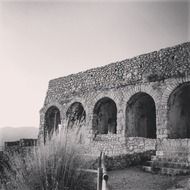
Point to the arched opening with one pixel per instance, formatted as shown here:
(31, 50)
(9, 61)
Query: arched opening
(75, 114)
(141, 116)
(52, 121)
(179, 112)
(105, 116)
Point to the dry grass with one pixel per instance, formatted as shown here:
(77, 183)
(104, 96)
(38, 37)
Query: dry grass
(54, 166)
(4, 166)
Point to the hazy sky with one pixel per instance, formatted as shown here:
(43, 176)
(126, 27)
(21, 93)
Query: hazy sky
(42, 40)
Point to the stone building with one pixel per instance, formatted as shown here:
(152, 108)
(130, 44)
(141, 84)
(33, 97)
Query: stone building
(133, 105)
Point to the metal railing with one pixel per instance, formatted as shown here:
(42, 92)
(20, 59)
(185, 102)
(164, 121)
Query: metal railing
(102, 175)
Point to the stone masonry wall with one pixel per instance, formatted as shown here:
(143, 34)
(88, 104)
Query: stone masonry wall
(113, 145)
(157, 74)
(156, 66)
(174, 149)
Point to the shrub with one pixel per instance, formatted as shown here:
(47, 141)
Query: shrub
(4, 166)
(53, 166)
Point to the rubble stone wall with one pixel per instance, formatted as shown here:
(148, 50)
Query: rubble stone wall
(157, 74)
(156, 66)
(114, 145)
(174, 149)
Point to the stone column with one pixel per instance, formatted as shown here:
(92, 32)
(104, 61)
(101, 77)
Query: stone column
(161, 115)
(120, 121)
(41, 128)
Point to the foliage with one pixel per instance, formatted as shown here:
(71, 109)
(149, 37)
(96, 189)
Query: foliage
(4, 166)
(53, 166)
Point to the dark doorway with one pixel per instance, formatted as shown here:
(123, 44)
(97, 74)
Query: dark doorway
(52, 121)
(179, 112)
(105, 116)
(141, 116)
(75, 114)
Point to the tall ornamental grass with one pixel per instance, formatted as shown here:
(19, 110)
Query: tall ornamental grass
(54, 166)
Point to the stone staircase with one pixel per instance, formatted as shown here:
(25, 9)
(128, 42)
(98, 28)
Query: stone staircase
(167, 166)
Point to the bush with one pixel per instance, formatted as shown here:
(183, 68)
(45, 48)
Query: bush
(53, 166)
(4, 166)
(127, 160)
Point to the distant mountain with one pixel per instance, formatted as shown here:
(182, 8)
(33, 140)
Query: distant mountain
(16, 133)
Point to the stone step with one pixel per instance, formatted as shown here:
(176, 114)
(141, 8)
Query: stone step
(166, 170)
(173, 171)
(148, 163)
(153, 157)
(160, 164)
(170, 159)
(147, 169)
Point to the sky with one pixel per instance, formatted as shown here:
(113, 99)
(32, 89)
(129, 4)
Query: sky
(42, 40)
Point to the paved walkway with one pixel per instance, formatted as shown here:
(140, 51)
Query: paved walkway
(135, 179)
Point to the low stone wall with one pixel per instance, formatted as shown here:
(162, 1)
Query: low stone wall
(139, 144)
(22, 146)
(115, 145)
(20, 143)
(174, 149)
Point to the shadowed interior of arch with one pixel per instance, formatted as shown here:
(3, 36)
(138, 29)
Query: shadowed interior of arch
(105, 116)
(141, 116)
(75, 114)
(179, 112)
(52, 120)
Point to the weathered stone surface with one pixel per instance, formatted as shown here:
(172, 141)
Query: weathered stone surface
(151, 67)
(155, 75)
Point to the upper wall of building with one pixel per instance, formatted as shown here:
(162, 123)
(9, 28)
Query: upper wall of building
(155, 66)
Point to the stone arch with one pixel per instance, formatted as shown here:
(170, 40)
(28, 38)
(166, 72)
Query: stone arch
(52, 121)
(46, 107)
(105, 116)
(75, 114)
(80, 100)
(178, 112)
(43, 128)
(112, 94)
(171, 84)
(141, 116)
(143, 88)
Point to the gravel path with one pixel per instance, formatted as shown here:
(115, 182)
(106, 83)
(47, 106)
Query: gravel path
(135, 179)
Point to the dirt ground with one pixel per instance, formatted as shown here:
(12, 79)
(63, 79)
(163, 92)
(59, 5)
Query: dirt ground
(135, 179)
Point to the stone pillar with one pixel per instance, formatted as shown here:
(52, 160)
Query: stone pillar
(41, 127)
(89, 134)
(120, 121)
(162, 131)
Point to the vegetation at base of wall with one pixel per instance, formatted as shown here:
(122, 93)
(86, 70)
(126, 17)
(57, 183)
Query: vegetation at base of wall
(125, 160)
(4, 166)
(53, 166)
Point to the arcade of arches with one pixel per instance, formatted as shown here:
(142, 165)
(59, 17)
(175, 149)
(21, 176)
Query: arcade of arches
(140, 115)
